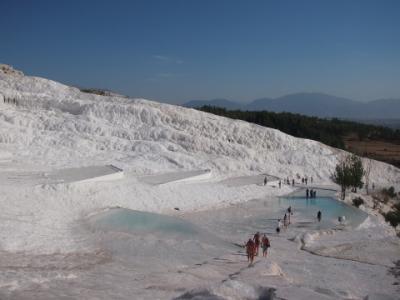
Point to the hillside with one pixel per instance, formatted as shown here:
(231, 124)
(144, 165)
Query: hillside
(158, 199)
(315, 104)
(124, 131)
(352, 136)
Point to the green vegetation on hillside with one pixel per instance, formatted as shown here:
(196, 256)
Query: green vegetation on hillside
(327, 131)
(95, 91)
(349, 173)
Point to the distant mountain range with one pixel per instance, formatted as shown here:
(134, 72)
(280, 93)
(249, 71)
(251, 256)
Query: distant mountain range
(314, 104)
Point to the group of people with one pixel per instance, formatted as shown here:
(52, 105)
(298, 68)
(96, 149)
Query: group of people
(287, 181)
(253, 246)
(286, 219)
(10, 100)
(310, 193)
(304, 180)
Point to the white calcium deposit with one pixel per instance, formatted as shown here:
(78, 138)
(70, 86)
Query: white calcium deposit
(54, 144)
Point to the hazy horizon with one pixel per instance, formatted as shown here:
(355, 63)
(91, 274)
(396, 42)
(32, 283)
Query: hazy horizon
(247, 101)
(177, 51)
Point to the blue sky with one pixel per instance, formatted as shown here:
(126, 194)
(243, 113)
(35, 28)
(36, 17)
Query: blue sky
(175, 51)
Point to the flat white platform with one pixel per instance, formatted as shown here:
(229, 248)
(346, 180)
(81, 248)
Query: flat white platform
(248, 180)
(87, 174)
(176, 177)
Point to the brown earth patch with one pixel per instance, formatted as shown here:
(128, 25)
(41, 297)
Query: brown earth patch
(388, 152)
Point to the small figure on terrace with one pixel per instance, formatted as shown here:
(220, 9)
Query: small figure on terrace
(319, 216)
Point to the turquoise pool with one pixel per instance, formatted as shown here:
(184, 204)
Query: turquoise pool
(330, 208)
(140, 224)
(127, 220)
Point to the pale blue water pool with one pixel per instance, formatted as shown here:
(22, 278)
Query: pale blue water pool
(127, 220)
(330, 208)
(170, 234)
(139, 224)
(244, 219)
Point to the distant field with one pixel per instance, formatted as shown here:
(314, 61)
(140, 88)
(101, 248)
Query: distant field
(391, 123)
(379, 150)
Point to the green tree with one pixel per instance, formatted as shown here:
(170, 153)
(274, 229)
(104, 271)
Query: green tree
(341, 176)
(356, 172)
(349, 173)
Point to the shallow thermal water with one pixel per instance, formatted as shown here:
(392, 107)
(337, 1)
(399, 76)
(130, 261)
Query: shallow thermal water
(172, 231)
(262, 215)
(154, 256)
(330, 208)
(127, 220)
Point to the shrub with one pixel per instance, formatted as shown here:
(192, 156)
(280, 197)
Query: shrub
(358, 201)
(393, 217)
(96, 92)
(389, 192)
(385, 199)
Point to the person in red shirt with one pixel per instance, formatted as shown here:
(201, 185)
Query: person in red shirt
(250, 250)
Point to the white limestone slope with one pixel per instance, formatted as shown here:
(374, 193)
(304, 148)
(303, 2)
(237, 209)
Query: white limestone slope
(51, 126)
(48, 130)
(63, 127)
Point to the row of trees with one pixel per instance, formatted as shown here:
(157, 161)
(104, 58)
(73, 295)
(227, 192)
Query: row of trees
(327, 131)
